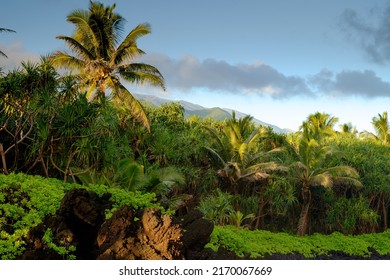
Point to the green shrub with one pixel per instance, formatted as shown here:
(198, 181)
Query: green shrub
(26, 199)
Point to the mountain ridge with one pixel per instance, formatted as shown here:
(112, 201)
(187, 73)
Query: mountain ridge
(217, 113)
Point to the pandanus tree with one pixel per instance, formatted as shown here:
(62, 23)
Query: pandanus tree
(101, 62)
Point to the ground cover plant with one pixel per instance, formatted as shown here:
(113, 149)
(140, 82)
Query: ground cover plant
(265, 244)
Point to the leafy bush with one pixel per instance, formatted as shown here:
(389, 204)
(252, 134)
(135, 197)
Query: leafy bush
(217, 207)
(352, 216)
(26, 199)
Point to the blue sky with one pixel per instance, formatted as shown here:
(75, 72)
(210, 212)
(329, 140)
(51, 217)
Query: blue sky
(276, 60)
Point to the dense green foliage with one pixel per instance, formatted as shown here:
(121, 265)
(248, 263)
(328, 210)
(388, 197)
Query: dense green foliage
(259, 243)
(26, 199)
(100, 62)
(316, 180)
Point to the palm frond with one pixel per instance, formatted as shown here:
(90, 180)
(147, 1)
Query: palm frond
(141, 73)
(215, 154)
(128, 48)
(3, 54)
(215, 135)
(251, 138)
(84, 33)
(129, 175)
(124, 97)
(65, 60)
(343, 171)
(324, 179)
(266, 167)
(77, 47)
(7, 30)
(348, 181)
(162, 181)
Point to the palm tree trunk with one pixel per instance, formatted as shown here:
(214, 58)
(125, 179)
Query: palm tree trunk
(303, 222)
(384, 210)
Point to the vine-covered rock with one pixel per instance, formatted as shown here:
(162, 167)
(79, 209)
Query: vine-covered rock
(79, 230)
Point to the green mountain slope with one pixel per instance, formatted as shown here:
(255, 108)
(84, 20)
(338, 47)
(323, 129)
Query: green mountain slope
(191, 109)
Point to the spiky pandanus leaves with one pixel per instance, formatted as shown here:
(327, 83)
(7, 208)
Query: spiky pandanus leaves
(100, 61)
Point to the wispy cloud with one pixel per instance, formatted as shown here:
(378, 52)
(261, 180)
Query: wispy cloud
(188, 72)
(370, 32)
(16, 54)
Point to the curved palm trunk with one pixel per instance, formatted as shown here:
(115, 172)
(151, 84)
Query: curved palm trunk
(303, 222)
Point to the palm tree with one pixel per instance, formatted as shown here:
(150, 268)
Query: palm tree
(309, 171)
(5, 30)
(100, 61)
(237, 153)
(348, 129)
(318, 125)
(382, 128)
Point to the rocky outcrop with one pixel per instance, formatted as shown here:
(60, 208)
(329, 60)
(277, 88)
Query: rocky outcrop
(128, 235)
(153, 237)
(196, 234)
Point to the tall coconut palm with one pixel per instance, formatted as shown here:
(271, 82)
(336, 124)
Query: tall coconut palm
(309, 171)
(5, 30)
(101, 63)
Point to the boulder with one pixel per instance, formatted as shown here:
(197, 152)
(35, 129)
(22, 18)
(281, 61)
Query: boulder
(129, 234)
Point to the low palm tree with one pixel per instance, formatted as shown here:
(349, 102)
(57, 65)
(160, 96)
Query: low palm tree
(348, 129)
(309, 171)
(237, 153)
(382, 128)
(318, 125)
(100, 62)
(5, 30)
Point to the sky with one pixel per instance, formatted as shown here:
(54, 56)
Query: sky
(278, 61)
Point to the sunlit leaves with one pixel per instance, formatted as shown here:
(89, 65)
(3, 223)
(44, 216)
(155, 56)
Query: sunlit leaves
(98, 60)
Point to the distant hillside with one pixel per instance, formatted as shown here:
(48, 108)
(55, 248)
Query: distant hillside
(191, 109)
(215, 113)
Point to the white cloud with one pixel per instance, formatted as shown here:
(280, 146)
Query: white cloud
(16, 54)
(188, 72)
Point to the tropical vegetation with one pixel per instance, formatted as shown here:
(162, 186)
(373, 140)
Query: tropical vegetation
(84, 129)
